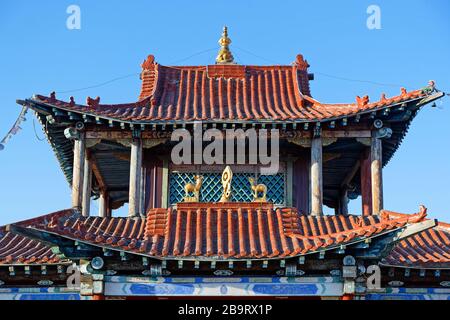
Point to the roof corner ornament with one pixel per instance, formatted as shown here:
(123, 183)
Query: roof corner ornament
(148, 63)
(227, 176)
(52, 96)
(420, 216)
(361, 102)
(301, 63)
(225, 56)
(430, 88)
(92, 103)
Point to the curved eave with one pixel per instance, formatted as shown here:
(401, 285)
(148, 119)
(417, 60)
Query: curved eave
(63, 147)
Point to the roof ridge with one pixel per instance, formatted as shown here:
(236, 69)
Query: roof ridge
(42, 218)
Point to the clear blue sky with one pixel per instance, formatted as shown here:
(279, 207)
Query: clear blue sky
(39, 54)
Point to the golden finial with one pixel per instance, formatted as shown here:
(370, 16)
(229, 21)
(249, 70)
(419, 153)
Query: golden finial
(224, 55)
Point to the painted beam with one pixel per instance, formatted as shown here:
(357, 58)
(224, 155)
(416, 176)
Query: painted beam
(223, 286)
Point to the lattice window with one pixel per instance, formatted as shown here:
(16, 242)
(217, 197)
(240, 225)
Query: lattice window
(212, 187)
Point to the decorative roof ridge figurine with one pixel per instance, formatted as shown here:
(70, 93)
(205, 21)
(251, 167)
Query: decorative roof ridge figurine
(225, 56)
(227, 176)
(194, 188)
(258, 188)
(430, 88)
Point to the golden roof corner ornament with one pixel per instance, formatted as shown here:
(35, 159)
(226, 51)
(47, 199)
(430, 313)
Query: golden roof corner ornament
(227, 176)
(225, 56)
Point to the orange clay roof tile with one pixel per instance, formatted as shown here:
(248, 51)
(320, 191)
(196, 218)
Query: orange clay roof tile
(427, 249)
(227, 231)
(226, 92)
(18, 249)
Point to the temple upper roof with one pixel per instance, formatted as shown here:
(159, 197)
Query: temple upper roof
(227, 93)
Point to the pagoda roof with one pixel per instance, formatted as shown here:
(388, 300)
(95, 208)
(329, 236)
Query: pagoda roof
(226, 232)
(428, 249)
(16, 249)
(222, 231)
(215, 93)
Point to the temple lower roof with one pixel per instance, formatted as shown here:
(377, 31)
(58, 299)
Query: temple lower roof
(226, 232)
(16, 249)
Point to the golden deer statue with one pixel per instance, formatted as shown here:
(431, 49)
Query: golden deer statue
(257, 189)
(194, 188)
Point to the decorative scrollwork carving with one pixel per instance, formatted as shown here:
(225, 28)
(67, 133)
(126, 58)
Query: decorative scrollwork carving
(227, 176)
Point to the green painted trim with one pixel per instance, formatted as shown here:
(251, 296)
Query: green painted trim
(165, 184)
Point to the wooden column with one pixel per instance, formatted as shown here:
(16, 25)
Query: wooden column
(376, 164)
(366, 184)
(103, 205)
(316, 176)
(78, 171)
(87, 184)
(142, 190)
(135, 177)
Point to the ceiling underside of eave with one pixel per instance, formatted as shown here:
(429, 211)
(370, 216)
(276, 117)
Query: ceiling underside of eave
(63, 149)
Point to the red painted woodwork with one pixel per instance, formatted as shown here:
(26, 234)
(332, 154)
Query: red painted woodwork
(153, 184)
(366, 185)
(300, 185)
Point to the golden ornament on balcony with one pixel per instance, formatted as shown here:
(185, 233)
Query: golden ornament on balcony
(257, 190)
(193, 188)
(227, 176)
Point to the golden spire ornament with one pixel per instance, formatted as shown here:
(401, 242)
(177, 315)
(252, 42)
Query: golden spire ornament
(224, 56)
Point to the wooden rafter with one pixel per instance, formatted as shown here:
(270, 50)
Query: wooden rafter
(97, 174)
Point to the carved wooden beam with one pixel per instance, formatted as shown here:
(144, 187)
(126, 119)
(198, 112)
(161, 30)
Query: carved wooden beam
(348, 178)
(97, 174)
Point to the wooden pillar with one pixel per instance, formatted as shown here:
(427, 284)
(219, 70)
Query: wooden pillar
(87, 184)
(376, 175)
(103, 205)
(366, 184)
(78, 171)
(135, 177)
(316, 176)
(142, 190)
